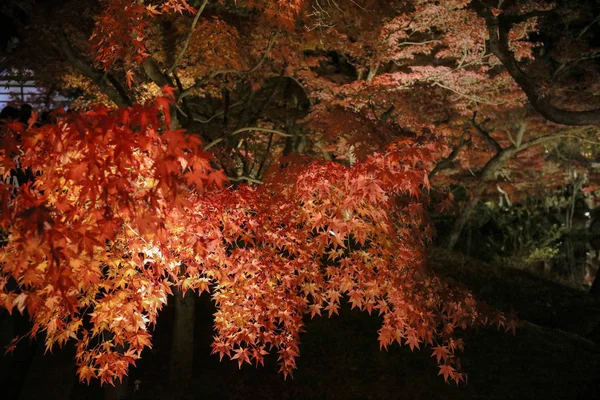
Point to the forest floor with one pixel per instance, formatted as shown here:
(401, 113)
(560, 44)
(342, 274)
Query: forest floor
(554, 355)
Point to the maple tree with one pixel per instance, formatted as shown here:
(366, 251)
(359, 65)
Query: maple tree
(391, 96)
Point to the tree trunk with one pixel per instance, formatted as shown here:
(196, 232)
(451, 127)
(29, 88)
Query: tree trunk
(487, 174)
(595, 290)
(117, 392)
(462, 218)
(182, 345)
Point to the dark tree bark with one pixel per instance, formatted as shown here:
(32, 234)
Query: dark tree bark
(498, 29)
(118, 391)
(463, 217)
(182, 345)
(106, 82)
(595, 289)
(487, 174)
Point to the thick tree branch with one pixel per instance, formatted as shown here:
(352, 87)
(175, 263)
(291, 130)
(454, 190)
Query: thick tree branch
(154, 73)
(498, 30)
(118, 87)
(107, 85)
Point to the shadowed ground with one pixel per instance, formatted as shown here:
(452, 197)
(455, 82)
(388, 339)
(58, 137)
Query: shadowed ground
(552, 356)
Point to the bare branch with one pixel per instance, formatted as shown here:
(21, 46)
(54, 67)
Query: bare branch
(247, 129)
(245, 178)
(264, 160)
(542, 139)
(474, 98)
(407, 43)
(520, 133)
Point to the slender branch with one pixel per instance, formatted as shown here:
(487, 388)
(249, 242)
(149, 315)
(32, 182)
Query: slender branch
(301, 86)
(419, 43)
(215, 115)
(510, 138)
(542, 139)
(214, 74)
(267, 152)
(476, 99)
(186, 104)
(206, 121)
(486, 135)
(186, 43)
(520, 133)
(264, 56)
(587, 27)
(245, 178)
(448, 161)
(247, 129)
(572, 63)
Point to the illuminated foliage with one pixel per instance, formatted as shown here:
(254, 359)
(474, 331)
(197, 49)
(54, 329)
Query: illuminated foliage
(125, 203)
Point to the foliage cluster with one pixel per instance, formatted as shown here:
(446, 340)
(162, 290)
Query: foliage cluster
(383, 99)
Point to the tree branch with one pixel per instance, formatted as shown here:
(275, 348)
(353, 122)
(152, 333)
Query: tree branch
(247, 129)
(498, 30)
(520, 134)
(186, 104)
(119, 97)
(485, 135)
(215, 115)
(542, 139)
(186, 43)
(245, 178)
(118, 87)
(448, 161)
(214, 74)
(154, 73)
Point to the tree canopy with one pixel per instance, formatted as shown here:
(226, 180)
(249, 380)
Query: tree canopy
(280, 154)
